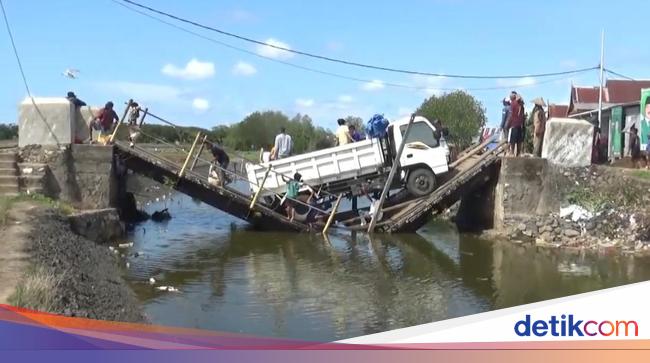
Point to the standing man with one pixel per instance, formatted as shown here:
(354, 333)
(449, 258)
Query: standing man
(343, 136)
(221, 160)
(283, 145)
(515, 125)
(103, 120)
(505, 113)
(74, 100)
(539, 126)
(354, 134)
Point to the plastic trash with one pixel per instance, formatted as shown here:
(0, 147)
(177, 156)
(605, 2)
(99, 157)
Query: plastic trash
(152, 280)
(576, 213)
(167, 288)
(125, 245)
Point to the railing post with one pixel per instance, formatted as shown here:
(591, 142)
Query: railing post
(261, 186)
(391, 175)
(144, 114)
(126, 112)
(196, 158)
(331, 217)
(189, 155)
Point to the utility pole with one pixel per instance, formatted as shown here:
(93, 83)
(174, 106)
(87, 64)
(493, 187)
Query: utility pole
(600, 94)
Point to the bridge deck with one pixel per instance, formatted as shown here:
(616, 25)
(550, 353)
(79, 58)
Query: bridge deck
(402, 213)
(196, 186)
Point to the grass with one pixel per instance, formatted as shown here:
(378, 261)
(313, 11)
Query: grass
(6, 204)
(642, 174)
(36, 291)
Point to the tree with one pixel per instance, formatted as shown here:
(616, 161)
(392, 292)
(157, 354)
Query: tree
(8, 131)
(459, 111)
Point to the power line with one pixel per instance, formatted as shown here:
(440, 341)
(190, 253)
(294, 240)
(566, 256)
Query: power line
(619, 75)
(331, 74)
(342, 61)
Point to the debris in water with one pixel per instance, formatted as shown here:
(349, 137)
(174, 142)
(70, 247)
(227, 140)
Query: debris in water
(152, 280)
(161, 215)
(125, 245)
(128, 265)
(111, 248)
(167, 288)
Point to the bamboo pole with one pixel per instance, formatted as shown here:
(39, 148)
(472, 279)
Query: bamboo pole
(196, 158)
(126, 112)
(261, 186)
(391, 175)
(189, 155)
(331, 217)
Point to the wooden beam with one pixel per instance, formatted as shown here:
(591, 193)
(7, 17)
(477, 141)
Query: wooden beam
(126, 112)
(189, 155)
(331, 217)
(261, 186)
(198, 154)
(144, 114)
(391, 175)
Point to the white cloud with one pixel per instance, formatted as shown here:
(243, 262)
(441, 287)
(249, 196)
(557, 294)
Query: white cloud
(239, 15)
(345, 98)
(193, 70)
(334, 46)
(201, 104)
(374, 85)
(272, 52)
(430, 85)
(143, 92)
(304, 102)
(243, 69)
(520, 82)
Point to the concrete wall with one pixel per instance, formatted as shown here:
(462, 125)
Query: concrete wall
(82, 175)
(51, 123)
(526, 187)
(567, 142)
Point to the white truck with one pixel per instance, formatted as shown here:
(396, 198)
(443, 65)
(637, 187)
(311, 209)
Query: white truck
(344, 168)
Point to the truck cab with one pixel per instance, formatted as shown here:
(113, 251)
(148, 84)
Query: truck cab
(425, 154)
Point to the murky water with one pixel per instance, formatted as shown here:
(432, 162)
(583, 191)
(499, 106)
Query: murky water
(303, 286)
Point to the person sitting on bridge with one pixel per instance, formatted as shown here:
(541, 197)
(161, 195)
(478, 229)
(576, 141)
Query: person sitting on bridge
(103, 121)
(221, 162)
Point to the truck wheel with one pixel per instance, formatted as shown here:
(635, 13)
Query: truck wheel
(421, 182)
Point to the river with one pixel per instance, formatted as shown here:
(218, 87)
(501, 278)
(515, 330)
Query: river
(307, 287)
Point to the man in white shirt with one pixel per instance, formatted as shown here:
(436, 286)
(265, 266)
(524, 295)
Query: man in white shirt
(283, 145)
(343, 133)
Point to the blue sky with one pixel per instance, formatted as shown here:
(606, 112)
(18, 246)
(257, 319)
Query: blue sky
(121, 54)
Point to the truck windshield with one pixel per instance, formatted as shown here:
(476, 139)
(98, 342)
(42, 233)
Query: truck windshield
(422, 132)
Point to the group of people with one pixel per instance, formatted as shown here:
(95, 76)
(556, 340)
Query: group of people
(513, 123)
(106, 118)
(346, 134)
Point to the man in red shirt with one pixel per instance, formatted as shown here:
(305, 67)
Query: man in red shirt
(104, 119)
(515, 125)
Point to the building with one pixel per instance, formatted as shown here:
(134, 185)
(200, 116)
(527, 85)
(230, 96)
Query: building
(621, 99)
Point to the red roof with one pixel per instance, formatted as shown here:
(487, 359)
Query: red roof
(558, 111)
(586, 94)
(624, 91)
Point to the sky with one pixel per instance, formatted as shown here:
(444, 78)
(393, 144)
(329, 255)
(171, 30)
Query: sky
(191, 80)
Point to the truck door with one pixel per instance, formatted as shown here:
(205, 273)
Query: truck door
(423, 147)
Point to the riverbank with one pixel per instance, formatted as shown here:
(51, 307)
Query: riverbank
(47, 267)
(600, 208)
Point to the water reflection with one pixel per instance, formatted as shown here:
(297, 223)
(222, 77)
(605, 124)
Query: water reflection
(310, 287)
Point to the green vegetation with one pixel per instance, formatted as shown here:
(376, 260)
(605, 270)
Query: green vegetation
(643, 174)
(8, 131)
(36, 291)
(7, 202)
(459, 111)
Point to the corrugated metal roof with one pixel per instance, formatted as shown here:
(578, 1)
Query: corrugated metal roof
(624, 91)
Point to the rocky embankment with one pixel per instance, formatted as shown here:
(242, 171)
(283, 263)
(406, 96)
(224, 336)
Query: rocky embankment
(602, 208)
(71, 275)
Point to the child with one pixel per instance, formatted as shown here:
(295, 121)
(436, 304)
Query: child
(134, 130)
(293, 187)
